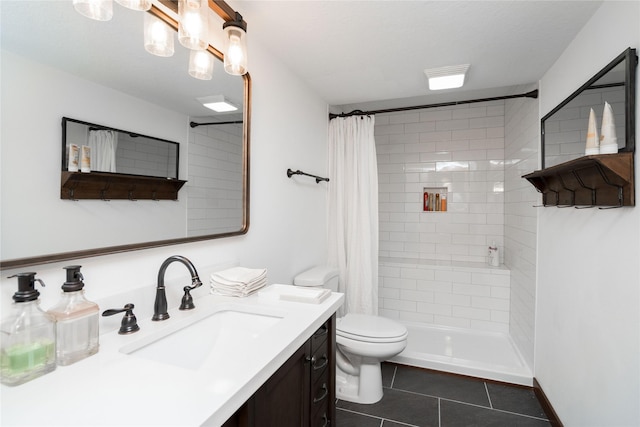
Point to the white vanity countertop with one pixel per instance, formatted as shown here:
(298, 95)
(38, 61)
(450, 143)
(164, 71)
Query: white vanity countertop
(116, 389)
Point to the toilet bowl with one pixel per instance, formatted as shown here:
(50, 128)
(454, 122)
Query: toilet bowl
(363, 341)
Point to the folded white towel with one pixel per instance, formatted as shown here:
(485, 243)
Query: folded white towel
(238, 281)
(239, 275)
(237, 291)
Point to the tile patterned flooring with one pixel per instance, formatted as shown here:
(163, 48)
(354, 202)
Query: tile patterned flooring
(415, 397)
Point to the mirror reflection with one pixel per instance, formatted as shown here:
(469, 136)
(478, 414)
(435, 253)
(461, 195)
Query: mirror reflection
(99, 72)
(564, 130)
(118, 151)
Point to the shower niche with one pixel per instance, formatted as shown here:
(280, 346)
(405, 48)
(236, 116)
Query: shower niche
(434, 199)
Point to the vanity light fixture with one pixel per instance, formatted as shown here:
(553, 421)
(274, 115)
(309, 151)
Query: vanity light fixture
(141, 5)
(446, 77)
(100, 10)
(217, 103)
(193, 24)
(158, 36)
(235, 46)
(201, 64)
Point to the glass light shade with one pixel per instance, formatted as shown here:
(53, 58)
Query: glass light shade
(193, 25)
(158, 36)
(235, 50)
(100, 10)
(141, 5)
(201, 64)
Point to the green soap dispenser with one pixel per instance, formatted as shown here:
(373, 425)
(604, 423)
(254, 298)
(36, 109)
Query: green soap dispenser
(28, 336)
(76, 320)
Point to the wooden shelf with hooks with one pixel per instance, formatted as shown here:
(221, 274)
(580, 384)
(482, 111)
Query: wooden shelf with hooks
(603, 180)
(116, 186)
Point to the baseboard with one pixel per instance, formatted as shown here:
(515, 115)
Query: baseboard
(546, 404)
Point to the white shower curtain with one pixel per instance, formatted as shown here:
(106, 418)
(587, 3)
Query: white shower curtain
(103, 144)
(353, 211)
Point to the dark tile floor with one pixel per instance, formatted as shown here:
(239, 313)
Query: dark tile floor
(424, 398)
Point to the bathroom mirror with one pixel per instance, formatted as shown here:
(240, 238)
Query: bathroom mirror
(106, 77)
(564, 129)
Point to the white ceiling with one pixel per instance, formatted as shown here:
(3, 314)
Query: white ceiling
(355, 52)
(369, 54)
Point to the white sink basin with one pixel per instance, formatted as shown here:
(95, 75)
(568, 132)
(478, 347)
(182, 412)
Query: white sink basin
(189, 342)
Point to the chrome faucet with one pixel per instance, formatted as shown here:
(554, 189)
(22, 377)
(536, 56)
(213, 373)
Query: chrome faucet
(160, 306)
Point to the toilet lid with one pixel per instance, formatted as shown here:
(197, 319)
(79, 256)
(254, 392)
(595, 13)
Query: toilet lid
(374, 328)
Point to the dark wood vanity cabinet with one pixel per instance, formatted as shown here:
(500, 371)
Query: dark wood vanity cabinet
(301, 393)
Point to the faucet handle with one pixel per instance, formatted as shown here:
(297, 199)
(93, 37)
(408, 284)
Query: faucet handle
(187, 299)
(129, 323)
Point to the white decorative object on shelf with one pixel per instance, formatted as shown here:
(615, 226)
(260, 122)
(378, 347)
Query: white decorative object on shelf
(608, 139)
(593, 142)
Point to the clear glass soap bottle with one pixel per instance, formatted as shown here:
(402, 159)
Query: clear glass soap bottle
(76, 320)
(27, 336)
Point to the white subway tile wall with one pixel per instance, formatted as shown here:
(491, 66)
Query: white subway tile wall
(458, 147)
(434, 264)
(445, 293)
(522, 135)
(214, 179)
(144, 157)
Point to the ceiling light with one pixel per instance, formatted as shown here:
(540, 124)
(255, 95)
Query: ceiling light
(446, 77)
(141, 5)
(158, 36)
(235, 46)
(217, 103)
(193, 28)
(201, 64)
(100, 10)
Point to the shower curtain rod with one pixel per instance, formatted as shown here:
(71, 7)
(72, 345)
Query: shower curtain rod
(532, 94)
(194, 124)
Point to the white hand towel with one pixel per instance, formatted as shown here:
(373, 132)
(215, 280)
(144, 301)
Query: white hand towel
(239, 275)
(608, 139)
(235, 291)
(593, 143)
(238, 281)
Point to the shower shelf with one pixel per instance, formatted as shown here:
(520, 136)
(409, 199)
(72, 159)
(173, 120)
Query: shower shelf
(117, 186)
(604, 180)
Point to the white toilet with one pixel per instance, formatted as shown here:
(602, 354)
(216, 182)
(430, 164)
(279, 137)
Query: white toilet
(363, 341)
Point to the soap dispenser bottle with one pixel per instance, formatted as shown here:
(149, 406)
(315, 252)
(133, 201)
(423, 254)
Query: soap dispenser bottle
(76, 320)
(28, 336)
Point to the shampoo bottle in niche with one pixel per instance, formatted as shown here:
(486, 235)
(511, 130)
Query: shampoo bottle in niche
(28, 336)
(77, 320)
(494, 255)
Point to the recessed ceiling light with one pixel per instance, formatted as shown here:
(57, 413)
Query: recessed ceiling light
(217, 103)
(446, 77)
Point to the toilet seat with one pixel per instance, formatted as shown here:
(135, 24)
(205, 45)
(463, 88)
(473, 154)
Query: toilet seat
(372, 329)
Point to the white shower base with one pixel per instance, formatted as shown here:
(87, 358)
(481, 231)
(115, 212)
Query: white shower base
(488, 355)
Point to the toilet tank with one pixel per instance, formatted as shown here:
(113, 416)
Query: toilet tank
(323, 276)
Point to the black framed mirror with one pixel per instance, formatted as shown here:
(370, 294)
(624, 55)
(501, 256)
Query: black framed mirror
(564, 129)
(119, 151)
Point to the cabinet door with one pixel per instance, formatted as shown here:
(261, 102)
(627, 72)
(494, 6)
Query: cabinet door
(283, 401)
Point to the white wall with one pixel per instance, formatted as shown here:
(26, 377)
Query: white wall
(587, 356)
(288, 218)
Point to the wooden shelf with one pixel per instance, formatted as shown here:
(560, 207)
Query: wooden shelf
(115, 186)
(600, 180)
